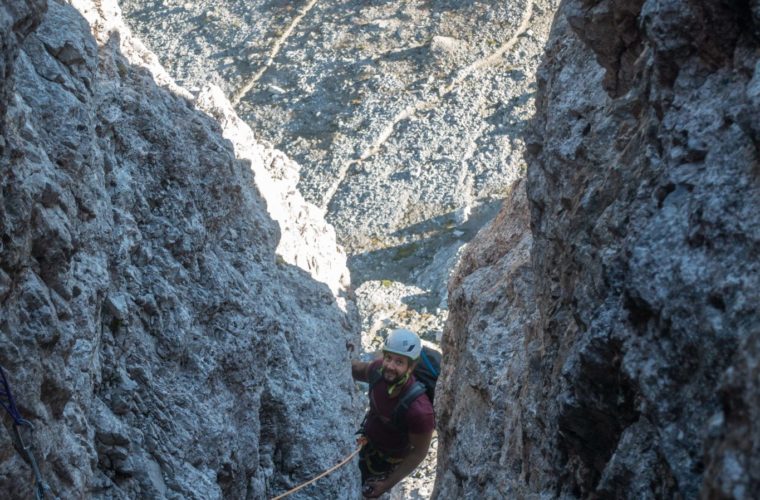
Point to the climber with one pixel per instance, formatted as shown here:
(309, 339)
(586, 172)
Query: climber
(397, 441)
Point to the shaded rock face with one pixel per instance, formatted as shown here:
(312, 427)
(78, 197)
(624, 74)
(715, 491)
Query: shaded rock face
(17, 19)
(638, 379)
(149, 330)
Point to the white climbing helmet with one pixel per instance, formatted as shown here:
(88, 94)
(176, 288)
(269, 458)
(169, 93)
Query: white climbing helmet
(403, 342)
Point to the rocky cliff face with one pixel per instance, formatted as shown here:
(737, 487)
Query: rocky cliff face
(491, 328)
(406, 116)
(632, 373)
(151, 330)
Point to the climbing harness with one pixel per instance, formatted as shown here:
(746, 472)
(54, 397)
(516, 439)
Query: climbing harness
(9, 404)
(361, 441)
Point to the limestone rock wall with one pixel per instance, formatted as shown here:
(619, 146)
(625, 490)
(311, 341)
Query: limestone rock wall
(638, 379)
(149, 329)
(491, 327)
(406, 117)
(17, 19)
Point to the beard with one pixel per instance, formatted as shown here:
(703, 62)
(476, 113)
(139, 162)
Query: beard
(392, 378)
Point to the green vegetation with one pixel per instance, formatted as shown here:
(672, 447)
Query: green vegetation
(406, 251)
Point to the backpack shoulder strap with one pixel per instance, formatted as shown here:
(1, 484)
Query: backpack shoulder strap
(415, 391)
(373, 378)
(428, 364)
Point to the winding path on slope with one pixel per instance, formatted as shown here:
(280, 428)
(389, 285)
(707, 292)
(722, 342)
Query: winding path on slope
(276, 47)
(493, 59)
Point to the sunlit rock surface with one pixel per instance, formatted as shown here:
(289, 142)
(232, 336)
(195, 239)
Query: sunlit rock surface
(407, 118)
(150, 331)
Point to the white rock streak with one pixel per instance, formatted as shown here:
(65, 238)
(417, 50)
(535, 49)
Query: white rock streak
(272, 54)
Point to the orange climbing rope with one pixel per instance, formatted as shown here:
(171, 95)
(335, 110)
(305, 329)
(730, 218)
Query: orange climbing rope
(361, 442)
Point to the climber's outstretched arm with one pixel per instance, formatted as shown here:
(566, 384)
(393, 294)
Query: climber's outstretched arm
(359, 370)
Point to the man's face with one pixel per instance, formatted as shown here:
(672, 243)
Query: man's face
(395, 366)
